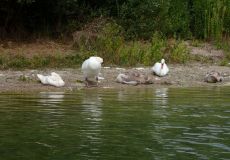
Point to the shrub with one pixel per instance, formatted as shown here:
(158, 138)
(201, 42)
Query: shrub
(109, 42)
(179, 53)
(155, 51)
(132, 53)
(214, 19)
(18, 61)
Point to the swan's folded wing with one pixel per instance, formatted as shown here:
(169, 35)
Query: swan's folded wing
(55, 81)
(42, 78)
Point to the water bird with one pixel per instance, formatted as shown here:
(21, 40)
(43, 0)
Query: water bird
(133, 78)
(213, 77)
(160, 69)
(91, 68)
(54, 79)
(125, 79)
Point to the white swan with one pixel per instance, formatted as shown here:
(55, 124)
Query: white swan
(91, 68)
(54, 79)
(160, 69)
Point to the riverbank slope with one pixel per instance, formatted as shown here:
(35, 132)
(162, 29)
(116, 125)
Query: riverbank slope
(189, 75)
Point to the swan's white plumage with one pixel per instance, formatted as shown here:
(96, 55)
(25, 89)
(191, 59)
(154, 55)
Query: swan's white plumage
(42, 78)
(160, 69)
(92, 67)
(54, 79)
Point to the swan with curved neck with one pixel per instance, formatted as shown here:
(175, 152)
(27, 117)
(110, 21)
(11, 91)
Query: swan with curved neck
(160, 69)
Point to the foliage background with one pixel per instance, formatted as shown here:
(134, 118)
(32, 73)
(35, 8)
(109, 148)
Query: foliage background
(23, 19)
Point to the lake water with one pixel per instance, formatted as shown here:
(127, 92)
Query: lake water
(107, 124)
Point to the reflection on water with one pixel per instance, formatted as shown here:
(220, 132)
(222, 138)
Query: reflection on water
(161, 96)
(47, 98)
(91, 130)
(161, 123)
(50, 111)
(160, 103)
(92, 105)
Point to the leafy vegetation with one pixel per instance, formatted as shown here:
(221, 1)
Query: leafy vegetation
(123, 32)
(180, 53)
(111, 45)
(207, 19)
(214, 19)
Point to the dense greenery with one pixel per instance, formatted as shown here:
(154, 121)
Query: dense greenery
(123, 32)
(209, 19)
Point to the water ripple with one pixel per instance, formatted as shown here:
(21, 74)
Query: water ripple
(161, 123)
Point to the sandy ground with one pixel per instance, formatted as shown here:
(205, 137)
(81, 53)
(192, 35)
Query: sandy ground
(190, 75)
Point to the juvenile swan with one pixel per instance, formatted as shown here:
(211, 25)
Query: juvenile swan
(91, 68)
(160, 69)
(125, 79)
(54, 79)
(133, 78)
(213, 77)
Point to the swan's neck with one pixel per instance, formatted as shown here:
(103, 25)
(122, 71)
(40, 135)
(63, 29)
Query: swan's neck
(162, 65)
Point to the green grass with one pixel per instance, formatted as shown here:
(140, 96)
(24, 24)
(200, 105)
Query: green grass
(179, 53)
(54, 61)
(132, 53)
(112, 46)
(215, 13)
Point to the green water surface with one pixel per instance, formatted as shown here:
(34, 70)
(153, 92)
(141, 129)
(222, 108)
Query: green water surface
(106, 124)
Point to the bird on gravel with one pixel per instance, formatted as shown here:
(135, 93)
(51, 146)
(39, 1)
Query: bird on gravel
(160, 69)
(91, 68)
(133, 78)
(213, 77)
(54, 79)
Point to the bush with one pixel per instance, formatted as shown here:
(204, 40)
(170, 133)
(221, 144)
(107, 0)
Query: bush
(179, 53)
(155, 51)
(214, 19)
(109, 42)
(132, 54)
(18, 61)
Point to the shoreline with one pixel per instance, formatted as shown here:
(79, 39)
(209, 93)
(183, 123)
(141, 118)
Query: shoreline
(188, 75)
